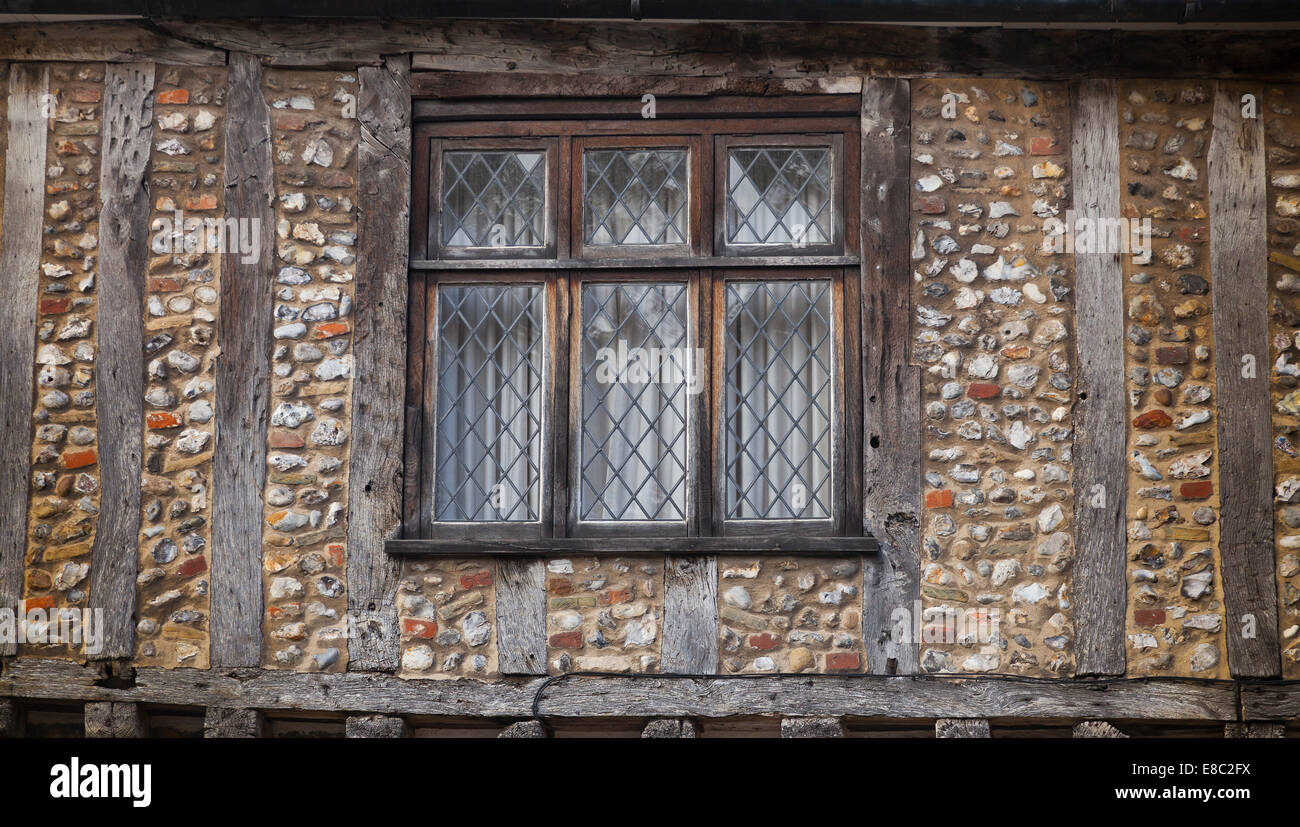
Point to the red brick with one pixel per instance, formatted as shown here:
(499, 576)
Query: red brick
(335, 551)
(931, 205)
(764, 642)
(291, 122)
(478, 578)
(1198, 490)
(613, 596)
(79, 459)
(1041, 146)
(285, 439)
(1148, 617)
(174, 97)
(60, 187)
(843, 661)
(158, 421)
(85, 95)
(1153, 419)
(938, 499)
(337, 180)
(419, 627)
(329, 329)
(66, 147)
(559, 585)
(51, 306)
(1172, 355)
(201, 201)
(567, 640)
(164, 285)
(192, 566)
(31, 603)
(983, 390)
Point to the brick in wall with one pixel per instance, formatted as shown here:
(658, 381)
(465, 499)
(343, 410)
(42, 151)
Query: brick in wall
(447, 619)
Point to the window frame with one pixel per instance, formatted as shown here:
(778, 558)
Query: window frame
(568, 127)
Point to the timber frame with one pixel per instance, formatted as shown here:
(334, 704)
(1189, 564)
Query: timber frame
(478, 59)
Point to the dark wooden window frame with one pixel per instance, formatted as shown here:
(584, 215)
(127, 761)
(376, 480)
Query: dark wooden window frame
(564, 127)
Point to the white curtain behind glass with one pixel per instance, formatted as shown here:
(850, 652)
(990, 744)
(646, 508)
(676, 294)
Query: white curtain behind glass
(489, 439)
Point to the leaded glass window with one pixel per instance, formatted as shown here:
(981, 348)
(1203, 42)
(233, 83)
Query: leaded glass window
(779, 196)
(636, 377)
(778, 398)
(489, 420)
(635, 196)
(494, 198)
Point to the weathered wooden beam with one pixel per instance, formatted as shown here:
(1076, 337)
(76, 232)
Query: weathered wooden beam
(1096, 729)
(113, 42)
(1254, 729)
(226, 722)
(123, 250)
(657, 696)
(521, 616)
(450, 85)
(1238, 252)
(376, 726)
(379, 342)
(690, 622)
(716, 49)
(114, 719)
(961, 728)
(242, 378)
(669, 728)
(20, 252)
(891, 386)
(802, 727)
(781, 544)
(1100, 473)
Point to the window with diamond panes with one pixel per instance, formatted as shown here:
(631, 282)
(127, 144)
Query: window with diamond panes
(778, 400)
(489, 413)
(634, 197)
(779, 196)
(636, 379)
(493, 199)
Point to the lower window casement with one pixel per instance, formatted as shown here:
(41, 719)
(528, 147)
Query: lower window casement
(638, 403)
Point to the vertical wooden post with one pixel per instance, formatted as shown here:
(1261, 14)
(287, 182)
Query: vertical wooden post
(220, 722)
(1238, 264)
(891, 386)
(521, 616)
(690, 625)
(961, 728)
(242, 378)
(1100, 474)
(379, 387)
(20, 250)
(123, 235)
(110, 719)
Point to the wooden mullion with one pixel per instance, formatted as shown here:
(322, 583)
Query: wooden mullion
(417, 374)
(565, 402)
(853, 409)
(428, 467)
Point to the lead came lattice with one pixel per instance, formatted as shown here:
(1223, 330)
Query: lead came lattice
(779, 196)
(493, 199)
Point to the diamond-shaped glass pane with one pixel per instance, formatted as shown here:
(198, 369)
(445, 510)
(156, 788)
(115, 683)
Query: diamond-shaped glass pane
(634, 196)
(489, 425)
(494, 199)
(636, 379)
(778, 400)
(779, 195)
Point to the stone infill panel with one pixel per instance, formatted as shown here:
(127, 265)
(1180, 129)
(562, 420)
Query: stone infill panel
(1175, 594)
(993, 327)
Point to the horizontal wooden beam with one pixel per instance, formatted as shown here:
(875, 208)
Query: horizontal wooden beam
(875, 696)
(719, 50)
(685, 263)
(635, 546)
(450, 85)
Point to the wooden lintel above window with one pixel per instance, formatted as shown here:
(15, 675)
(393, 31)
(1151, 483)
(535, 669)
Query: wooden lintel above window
(759, 544)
